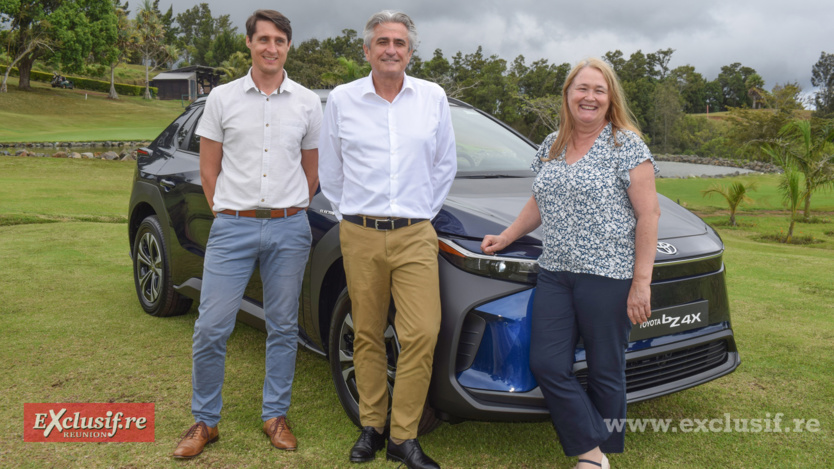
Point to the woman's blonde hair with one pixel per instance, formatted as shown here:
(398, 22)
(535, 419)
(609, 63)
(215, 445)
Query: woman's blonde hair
(618, 114)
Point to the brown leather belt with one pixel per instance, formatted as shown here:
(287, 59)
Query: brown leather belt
(382, 224)
(265, 213)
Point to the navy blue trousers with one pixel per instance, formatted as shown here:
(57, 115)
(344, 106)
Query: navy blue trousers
(568, 306)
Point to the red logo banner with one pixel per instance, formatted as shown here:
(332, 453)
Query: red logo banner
(88, 422)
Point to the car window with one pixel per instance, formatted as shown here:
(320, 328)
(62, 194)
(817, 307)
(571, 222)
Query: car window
(485, 147)
(193, 138)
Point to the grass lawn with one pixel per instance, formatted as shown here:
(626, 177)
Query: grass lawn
(765, 217)
(47, 114)
(74, 332)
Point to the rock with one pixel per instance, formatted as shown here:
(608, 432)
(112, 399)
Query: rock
(109, 155)
(128, 157)
(75, 155)
(60, 154)
(21, 153)
(88, 155)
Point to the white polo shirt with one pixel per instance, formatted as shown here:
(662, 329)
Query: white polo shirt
(262, 137)
(387, 159)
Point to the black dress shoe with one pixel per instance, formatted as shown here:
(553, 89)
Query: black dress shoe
(410, 453)
(367, 445)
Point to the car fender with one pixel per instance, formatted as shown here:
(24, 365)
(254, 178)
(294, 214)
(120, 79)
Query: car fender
(146, 200)
(326, 255)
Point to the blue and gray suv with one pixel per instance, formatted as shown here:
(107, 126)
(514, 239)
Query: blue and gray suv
(481, 361)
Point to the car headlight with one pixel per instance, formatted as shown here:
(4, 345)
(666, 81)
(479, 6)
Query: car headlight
(497, 267)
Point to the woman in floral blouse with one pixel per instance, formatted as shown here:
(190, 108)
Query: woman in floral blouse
(594, 195)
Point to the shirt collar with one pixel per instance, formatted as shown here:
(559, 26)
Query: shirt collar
(368, 86)
(249, 84)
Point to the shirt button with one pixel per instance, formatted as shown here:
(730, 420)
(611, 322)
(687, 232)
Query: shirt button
(267, 99)
(267, 125)
(265, 150)
(264, 175)
(262, 200)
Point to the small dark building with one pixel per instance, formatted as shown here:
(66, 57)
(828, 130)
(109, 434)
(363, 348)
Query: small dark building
(186, 83)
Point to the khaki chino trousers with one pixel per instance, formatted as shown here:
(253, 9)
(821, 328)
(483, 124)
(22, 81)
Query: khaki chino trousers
(380, 264)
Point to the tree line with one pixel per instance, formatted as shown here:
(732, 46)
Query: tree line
(670, 104)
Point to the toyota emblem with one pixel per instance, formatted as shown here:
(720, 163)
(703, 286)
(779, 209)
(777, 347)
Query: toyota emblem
(666, 248)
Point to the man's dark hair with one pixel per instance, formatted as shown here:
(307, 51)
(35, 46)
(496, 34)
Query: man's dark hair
(280, 21)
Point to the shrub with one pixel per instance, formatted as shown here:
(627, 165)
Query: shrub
(87, 83)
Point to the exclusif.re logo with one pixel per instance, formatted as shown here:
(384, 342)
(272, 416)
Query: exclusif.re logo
(88, 422)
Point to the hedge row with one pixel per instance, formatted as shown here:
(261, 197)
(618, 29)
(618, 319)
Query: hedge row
(87, 84)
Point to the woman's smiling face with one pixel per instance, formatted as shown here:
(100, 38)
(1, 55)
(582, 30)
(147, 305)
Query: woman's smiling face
(588, 99)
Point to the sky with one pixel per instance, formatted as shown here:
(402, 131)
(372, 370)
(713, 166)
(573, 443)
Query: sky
(780, 40)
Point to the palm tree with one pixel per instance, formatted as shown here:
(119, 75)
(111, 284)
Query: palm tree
(792, 195)
(812, 154)
(347, 71)
(150, 33)
(236, 66)
(735, 195)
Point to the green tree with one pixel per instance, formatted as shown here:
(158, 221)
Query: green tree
(733, 82)
(126, 41)
(750, 127)
(639, 85)
(346, 72)
(735, 194)
(692, 88)
(224, 45)
(348, 45)
(308, 62)
(811, 153)
(697, 135)
(235, 66)
(792, 195)
(822, 76)
(150, 34)
(659, 63)
(67, 31)
(667, 110)
(199, 30)
(615, 60)
(545, 110)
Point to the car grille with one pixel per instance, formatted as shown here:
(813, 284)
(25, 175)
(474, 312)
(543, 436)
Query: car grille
(669, 367)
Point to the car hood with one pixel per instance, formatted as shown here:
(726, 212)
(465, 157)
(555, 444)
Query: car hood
(477, 207)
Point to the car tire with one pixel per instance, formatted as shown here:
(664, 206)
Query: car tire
(152, 272)
(340, 353)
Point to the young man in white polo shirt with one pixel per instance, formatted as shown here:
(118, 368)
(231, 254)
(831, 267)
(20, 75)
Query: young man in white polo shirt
(259, 169)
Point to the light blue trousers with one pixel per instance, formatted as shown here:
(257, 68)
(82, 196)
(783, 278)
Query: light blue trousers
(281, 246)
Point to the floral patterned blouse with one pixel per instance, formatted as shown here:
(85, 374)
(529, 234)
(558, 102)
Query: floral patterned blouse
(587, 217)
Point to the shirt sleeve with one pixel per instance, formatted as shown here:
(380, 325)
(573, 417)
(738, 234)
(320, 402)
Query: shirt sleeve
(544, 150)
(210, 125)
(631, 153)
(331, 173)
(445, 164)
(311, 139)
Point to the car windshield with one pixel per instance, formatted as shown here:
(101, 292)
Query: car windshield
(486, 148)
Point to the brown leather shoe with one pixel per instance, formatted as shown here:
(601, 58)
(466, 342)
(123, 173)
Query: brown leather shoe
(195, 439)
(280, 434)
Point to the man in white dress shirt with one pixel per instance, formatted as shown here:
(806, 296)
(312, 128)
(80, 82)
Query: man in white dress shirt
(388, 159)
(259, 169)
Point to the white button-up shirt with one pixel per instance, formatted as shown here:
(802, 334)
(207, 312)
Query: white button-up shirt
(262, 137)
(387, 159)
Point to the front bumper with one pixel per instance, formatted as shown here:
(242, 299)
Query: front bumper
(481, 369)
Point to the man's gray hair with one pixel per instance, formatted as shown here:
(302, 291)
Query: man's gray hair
(391, 16)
